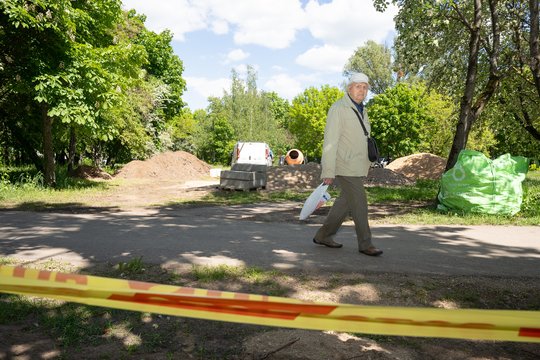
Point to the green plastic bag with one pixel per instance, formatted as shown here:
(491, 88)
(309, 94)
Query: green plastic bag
(477, 184)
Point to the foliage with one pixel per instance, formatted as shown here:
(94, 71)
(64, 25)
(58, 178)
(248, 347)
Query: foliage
(102, 84)
(483, 58)
(11, 180)
(481, 138)
(375, 61)
(406, 119)
(164, 65)
(182, 128)
(217, 140)
(308, 118)
(514, 106)
(443, 113)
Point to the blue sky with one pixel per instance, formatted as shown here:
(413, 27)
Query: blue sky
(291, 44)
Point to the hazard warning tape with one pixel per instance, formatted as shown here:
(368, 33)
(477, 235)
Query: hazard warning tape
(503, 325)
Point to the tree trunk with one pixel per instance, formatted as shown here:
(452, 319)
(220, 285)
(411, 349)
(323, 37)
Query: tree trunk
(48, 151)
(534, 42)
(469, 113)
(534, 46)
(466, 116)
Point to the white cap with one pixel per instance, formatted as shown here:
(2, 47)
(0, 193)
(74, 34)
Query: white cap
(358, 78)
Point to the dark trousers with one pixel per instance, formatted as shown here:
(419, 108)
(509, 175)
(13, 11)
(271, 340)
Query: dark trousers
(352, 200)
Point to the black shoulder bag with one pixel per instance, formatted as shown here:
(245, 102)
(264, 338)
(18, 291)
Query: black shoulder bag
(373, 150)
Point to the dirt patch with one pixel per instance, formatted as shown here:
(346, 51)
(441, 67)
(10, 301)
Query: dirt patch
(308, 177)
(90, 172)
(386, 177)
(293, 177)
(419, 166)
(179, 165)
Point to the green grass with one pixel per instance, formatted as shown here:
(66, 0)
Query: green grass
(423, 190)
(247, 197)
(131, 267)
(253, 275)
(73, 324)
(24, 187)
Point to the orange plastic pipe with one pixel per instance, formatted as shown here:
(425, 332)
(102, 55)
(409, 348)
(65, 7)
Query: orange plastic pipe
(294, 157)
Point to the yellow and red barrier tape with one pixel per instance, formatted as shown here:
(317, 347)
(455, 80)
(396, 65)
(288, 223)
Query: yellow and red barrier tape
(505, 325)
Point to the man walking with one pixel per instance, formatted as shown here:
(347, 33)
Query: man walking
(345, 161)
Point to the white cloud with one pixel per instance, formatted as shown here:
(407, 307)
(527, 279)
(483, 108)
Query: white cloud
(269, 23)
(286, 86)
(179, 16)
(325, 58)
(236, 55)
(220, 27)
(207, 87)
(348, 23)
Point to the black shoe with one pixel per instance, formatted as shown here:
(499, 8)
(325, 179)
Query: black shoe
(372, 251)
(330, 244)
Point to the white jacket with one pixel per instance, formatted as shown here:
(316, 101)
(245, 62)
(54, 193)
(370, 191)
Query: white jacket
(345, 145)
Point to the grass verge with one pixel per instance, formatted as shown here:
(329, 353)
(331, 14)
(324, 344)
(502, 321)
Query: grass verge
(74, 329)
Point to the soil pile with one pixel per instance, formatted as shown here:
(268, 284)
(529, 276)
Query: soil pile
(308, 176)
(90, 172)
(178, 165)
(419, 166)
(293, 177)
(386, 177)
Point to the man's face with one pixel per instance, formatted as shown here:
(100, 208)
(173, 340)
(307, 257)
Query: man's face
(358, 91)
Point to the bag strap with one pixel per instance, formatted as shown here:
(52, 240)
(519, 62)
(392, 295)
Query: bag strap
(361, 122)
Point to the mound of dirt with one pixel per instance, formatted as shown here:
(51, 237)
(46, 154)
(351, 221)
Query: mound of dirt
(308, 176)
(89, 172)
(386, 177)
(178, 165)
(419, 166)
(293, 177)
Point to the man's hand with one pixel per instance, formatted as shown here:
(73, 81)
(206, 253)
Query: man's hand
(328, 181)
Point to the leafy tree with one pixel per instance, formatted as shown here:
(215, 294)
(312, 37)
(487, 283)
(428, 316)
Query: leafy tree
(76, 76)
(485, 53)
(375, 61)
(507, 123)
(182, 128)
(519, 98)
(56, 40)
(399, 120)
(252, 114)
(442, 114)
(164, 65)
(279, 107)
(216, 139)
(308, 118)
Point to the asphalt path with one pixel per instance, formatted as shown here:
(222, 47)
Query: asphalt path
(228, 235)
